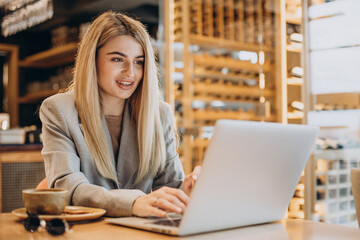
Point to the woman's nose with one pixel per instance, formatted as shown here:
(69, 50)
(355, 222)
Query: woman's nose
(129, 70)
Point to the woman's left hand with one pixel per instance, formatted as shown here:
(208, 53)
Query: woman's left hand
(190, 180)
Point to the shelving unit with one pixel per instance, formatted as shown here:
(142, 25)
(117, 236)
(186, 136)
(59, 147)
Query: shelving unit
(215, 84)
(12, 52)
(335, 90)
(294, 58)
(332, 191)
(295, 97)
(338, 150)
(216, 81)
(36, 96)
(52, 58)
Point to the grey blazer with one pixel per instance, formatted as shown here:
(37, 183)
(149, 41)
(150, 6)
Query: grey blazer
(68, 162)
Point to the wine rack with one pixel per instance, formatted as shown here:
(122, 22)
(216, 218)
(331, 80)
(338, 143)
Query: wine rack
(217, 81)
(295, 86)
(334, 202)
(335, 95)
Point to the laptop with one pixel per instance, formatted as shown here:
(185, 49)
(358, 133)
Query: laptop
(249, 175)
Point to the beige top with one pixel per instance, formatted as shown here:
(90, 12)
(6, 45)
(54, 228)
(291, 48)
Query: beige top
(114, 125)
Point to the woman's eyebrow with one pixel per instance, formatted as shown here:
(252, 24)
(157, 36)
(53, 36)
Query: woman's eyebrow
(123, 55)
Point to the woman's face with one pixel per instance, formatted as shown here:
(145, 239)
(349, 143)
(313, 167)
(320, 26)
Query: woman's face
(120, 68)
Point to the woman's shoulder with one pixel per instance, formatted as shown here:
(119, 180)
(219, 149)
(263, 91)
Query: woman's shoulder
(165, 110)
(62, 97)
(60, 100)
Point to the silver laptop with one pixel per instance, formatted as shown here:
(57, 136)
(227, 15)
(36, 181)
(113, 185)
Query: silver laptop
(249, 175)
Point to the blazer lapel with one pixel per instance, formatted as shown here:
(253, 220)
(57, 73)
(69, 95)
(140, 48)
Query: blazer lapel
(108, 143)
(108, 139)
(128, 158)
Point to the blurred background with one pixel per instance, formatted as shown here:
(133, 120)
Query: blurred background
(288, 61)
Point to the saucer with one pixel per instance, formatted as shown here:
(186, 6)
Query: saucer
(71, 213)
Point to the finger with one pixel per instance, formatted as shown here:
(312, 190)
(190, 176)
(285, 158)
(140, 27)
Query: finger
(175, 201)
(155, 201)
(194, 177)
(164, 204)
(190, 180)
(187, 184)
(179, 194)
(156, 212)
(167, 194)
(195, 174)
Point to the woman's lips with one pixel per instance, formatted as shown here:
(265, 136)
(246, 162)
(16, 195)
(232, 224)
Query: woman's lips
(126, 85)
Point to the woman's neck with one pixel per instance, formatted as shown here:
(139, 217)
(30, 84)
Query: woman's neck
(113, 106)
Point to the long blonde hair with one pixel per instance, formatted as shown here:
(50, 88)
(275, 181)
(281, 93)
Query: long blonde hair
(144, 101)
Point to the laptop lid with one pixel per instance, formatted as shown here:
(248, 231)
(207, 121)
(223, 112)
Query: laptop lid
(249, 175)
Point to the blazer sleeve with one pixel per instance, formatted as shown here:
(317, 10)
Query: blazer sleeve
(173, 173)
(62, 165)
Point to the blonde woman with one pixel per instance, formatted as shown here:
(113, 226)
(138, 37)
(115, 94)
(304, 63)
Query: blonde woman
(109, 140)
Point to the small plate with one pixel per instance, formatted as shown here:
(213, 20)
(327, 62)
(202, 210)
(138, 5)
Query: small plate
(71, 213)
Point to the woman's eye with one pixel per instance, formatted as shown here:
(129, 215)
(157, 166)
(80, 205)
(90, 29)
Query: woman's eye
(116, 59)
(140, 62)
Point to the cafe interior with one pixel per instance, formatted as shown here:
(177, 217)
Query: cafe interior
(291, 62)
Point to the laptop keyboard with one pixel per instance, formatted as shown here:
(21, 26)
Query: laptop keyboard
(170, 223)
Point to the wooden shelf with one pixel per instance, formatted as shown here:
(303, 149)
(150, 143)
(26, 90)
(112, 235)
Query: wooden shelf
(229, 63)
(224, 43)
(218, 75)
(205, 98)
(53, 57)
(21, 156)
(295, 115)
(20, 147)
(334, 154)
(293, 20)
(37, 96)
(213, 115)
(231, 90)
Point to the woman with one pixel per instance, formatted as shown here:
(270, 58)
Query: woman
(109, 140)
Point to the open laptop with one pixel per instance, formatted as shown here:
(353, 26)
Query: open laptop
(249, 175)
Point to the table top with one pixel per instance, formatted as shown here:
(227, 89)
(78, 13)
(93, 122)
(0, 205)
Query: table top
(11, 228)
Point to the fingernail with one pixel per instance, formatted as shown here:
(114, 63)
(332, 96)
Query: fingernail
(194, 177)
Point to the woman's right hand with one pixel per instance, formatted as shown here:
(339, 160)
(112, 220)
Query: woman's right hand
(158, 203)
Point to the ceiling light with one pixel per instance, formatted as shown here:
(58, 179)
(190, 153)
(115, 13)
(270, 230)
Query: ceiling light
(22, 14)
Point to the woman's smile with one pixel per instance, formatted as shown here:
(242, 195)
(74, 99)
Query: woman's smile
(125, 85)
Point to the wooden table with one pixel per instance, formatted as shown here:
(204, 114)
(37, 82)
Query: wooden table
(12, 229)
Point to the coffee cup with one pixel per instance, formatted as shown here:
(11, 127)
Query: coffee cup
(50, 201)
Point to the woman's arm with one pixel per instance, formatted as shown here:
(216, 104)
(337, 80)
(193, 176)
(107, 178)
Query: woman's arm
(63, 165)
(166, 195)
(173, 173)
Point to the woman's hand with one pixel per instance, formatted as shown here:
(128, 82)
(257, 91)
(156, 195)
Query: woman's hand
(158, 203)
(190, 180)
